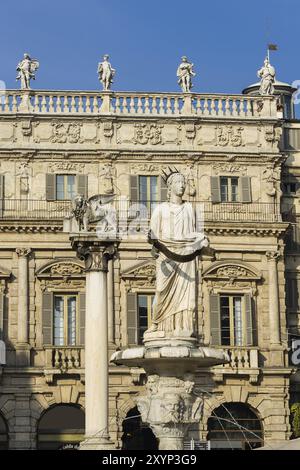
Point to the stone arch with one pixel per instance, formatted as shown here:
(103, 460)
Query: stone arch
(235, 426)
(60, 425)
(135, 434)
(4, 435)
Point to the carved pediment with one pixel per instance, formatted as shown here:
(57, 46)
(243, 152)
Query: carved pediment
(231, 270)
(61, 269)
(145, 270)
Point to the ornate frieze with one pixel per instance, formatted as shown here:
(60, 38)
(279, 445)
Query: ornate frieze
(232, 168)
(66, 132)
(147, 133)
(143, 275)
(229, 135)
(54, 167)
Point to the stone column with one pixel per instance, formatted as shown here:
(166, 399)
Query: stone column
(96, 254)
(110, 302)
(23, 348)
(274, 310)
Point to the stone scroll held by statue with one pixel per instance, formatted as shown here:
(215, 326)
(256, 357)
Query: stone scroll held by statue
(176, 245)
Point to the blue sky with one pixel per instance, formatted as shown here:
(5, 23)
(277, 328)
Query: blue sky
(226, 40)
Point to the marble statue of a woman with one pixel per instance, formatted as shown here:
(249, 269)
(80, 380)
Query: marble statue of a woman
(176, 243)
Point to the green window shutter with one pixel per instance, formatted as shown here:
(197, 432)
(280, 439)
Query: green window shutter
(47, 318)
(134, 188)
(82, 318)
(245, 188)
(215, 189)
(163, 190)
(82, 185)
(215, 320)
(131, 319)
(50, 187)
(1, 315)
(249, 319)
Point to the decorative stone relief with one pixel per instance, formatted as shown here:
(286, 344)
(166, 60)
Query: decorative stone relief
(66, 269)
(229, 135)
(106, 175)
(23, 252)
(63, 284)
(66, 132)
(54, 167)
(147, 133)
(169, 406)
(229, 168)
(144, 167)
(26, 128)
(108, 129)
(140, 276)
(271, 178)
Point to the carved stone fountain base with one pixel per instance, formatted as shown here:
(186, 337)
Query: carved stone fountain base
(169, 405)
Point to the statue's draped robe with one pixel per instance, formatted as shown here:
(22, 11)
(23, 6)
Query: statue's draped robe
(174, 307)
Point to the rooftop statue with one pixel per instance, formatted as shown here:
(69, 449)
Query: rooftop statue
(106, 73)
(267, 76)
(185, 73)
(26, 68)
(176, 245)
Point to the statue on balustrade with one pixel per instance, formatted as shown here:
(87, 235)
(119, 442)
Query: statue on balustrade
(176, 244)
(185, 73)
(26, 69)
(106, 73)
(267, 76)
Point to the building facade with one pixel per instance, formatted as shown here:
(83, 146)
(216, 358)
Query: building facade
(233, 151)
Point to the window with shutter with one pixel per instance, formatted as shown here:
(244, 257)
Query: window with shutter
(50, 187)
(215, 189)
(131, 318)
(215, 320)
(47, 318)
(82, 185)
(163, 190)
(1, 195)
(134, 189)
(245, 183)
(249, 319)
(82, 318)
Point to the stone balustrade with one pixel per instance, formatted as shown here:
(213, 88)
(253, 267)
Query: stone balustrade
(137, 104)
(241, 358)
(64, 357)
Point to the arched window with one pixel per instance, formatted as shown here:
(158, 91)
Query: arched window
(234, 426)
(61, 426)
(136, 435)
(3, 434)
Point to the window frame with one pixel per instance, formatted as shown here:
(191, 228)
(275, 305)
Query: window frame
(149, 201)
(65, 177)
(229, 186)
(232, 329)
(65, 296)
(150, 297)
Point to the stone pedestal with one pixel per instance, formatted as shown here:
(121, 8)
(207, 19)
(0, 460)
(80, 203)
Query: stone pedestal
(170, 404)
(95, 253)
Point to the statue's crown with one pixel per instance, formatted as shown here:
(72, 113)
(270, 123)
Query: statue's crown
(166, 173)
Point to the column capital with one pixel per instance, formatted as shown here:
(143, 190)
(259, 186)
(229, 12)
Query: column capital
(273, 255)
(23, 252)
(94, 252)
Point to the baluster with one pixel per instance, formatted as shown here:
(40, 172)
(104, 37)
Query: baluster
(198, 105)
(227, 107)
(176, 105)
(56, 358)
(139, 105)
(63, 359)
(73, 104)
(205, 107)
(117, 109)
(169, 105)
(125, 105)
(51, 103)
(147, 106)
(234, 107)
(161, 105)
(220, 107)
(14, 103)
(212, 107)
(132, 109)
(154, 105)
(41, 106)
(94, 105)
(80, 104)
(66, 105)
(6, 103)
(247, 107)
(247, 359)
(76, 358)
